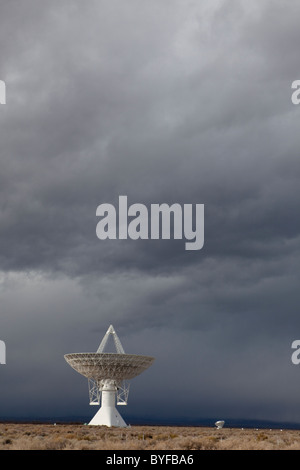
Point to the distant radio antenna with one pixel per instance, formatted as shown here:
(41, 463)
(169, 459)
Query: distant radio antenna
(108, 375)
(219, 424)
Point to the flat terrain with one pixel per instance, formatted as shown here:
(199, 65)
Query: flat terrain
(82, 437)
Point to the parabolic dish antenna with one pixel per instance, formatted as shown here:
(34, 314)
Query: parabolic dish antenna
(108, 375)
(219, 424)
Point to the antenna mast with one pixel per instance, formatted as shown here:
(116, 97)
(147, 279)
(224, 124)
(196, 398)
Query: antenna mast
(118, 345)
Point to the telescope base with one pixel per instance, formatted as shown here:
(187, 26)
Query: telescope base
(108, 415)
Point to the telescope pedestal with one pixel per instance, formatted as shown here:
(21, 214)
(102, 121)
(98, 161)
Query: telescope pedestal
(108, 415)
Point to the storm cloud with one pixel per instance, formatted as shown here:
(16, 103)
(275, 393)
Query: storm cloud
(165, 102)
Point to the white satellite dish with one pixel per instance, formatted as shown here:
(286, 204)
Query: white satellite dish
(219, 424)
(107, 375)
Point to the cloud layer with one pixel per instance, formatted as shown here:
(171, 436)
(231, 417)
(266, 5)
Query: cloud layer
(174, 101)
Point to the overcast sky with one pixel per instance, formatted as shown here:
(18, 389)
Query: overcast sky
(163, 101)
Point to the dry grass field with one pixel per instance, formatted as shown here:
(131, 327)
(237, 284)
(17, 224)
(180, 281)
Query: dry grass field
(17, 436)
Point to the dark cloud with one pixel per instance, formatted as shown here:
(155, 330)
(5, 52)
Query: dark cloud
(162, 102)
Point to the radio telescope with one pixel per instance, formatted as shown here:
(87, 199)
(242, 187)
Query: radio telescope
(108, 375)
(219, 424)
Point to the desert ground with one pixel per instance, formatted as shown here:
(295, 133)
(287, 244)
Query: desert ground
(26, 436)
